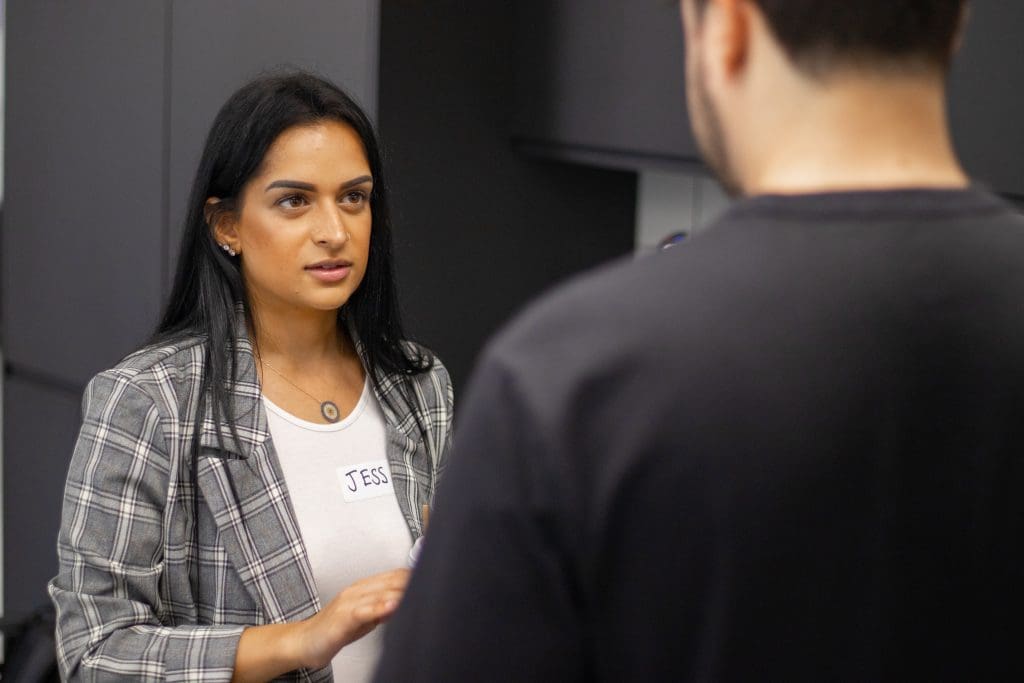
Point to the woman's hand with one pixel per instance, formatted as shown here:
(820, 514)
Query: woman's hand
(352, 614)
(265, 652)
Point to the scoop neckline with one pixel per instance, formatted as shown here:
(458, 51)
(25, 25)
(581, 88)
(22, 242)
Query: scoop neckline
(340, 425)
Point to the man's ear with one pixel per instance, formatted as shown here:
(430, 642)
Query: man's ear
(734, 35)
(221, 221)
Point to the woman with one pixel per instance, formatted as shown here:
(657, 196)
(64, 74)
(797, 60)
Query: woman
(245, 492)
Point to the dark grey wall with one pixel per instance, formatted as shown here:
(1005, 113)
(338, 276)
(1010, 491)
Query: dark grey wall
(84, 183)
(81, 241)
(107, 108)
(603, 82)
(480, 228)
(34, 467)
(987, 96)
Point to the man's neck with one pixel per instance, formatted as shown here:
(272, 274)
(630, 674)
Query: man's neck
(855, 134)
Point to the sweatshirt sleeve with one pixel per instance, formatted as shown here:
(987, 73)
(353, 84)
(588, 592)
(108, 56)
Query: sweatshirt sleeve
(492, 597)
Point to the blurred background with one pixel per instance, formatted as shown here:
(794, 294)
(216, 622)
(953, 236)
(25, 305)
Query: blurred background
(526, 141)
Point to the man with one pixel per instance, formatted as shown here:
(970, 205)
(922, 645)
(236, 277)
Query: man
(787, 450)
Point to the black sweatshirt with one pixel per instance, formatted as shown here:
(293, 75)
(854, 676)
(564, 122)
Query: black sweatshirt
(791, 448)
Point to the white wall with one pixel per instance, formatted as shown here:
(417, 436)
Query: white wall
(672, 202)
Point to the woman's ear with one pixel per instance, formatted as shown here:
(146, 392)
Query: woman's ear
(221, 221)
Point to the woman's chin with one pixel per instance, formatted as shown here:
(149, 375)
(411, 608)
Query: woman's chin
(324, 301)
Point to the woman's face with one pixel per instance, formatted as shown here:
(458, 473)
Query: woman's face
(302, 228)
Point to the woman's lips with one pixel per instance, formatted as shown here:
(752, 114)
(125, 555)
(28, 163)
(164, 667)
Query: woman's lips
(329, 273)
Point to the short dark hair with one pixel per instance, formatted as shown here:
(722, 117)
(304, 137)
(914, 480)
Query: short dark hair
(819, 35)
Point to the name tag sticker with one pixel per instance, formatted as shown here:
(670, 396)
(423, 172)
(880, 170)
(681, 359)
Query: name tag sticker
(368, 480)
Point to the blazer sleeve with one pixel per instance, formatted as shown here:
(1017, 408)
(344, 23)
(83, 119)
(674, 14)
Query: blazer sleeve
(108, 590)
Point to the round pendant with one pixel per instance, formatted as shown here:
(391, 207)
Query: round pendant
(329, 411)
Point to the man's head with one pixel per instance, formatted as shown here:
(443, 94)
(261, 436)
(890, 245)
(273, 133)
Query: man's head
(746, 56)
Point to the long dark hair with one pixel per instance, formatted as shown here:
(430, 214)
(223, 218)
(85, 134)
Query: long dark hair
(208, 284)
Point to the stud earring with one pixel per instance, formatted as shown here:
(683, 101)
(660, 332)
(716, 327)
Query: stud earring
(229, 250)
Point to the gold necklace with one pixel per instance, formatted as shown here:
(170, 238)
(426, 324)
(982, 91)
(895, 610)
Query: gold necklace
(329, 409)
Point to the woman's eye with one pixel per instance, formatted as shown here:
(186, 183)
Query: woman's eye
(355, 197)
(292, 201)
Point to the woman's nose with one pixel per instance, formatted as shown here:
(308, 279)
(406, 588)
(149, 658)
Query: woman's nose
(330, 230)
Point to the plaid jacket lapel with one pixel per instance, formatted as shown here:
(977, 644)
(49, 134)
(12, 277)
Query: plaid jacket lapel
(245, 491)
(411, 496)
(250, 507)
(408, 459)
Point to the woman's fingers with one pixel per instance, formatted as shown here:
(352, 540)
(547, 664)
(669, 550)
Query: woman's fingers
(378, 607)
(392, 580)
(381, 602)
(370, 599)
(352, 614)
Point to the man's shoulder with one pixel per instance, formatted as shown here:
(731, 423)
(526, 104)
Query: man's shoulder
(763, 258)
(632, 291)
(613, 311)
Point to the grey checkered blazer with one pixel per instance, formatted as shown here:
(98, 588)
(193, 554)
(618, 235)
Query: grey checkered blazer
(145, 591)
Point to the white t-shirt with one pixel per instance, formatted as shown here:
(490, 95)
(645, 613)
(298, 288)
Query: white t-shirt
(340, 486)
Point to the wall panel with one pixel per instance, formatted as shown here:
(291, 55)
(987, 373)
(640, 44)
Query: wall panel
(40, 425)
(82, 218)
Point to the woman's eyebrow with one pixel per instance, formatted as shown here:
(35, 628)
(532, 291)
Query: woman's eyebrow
(357, 181)
(292, 185)
(309, 187)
